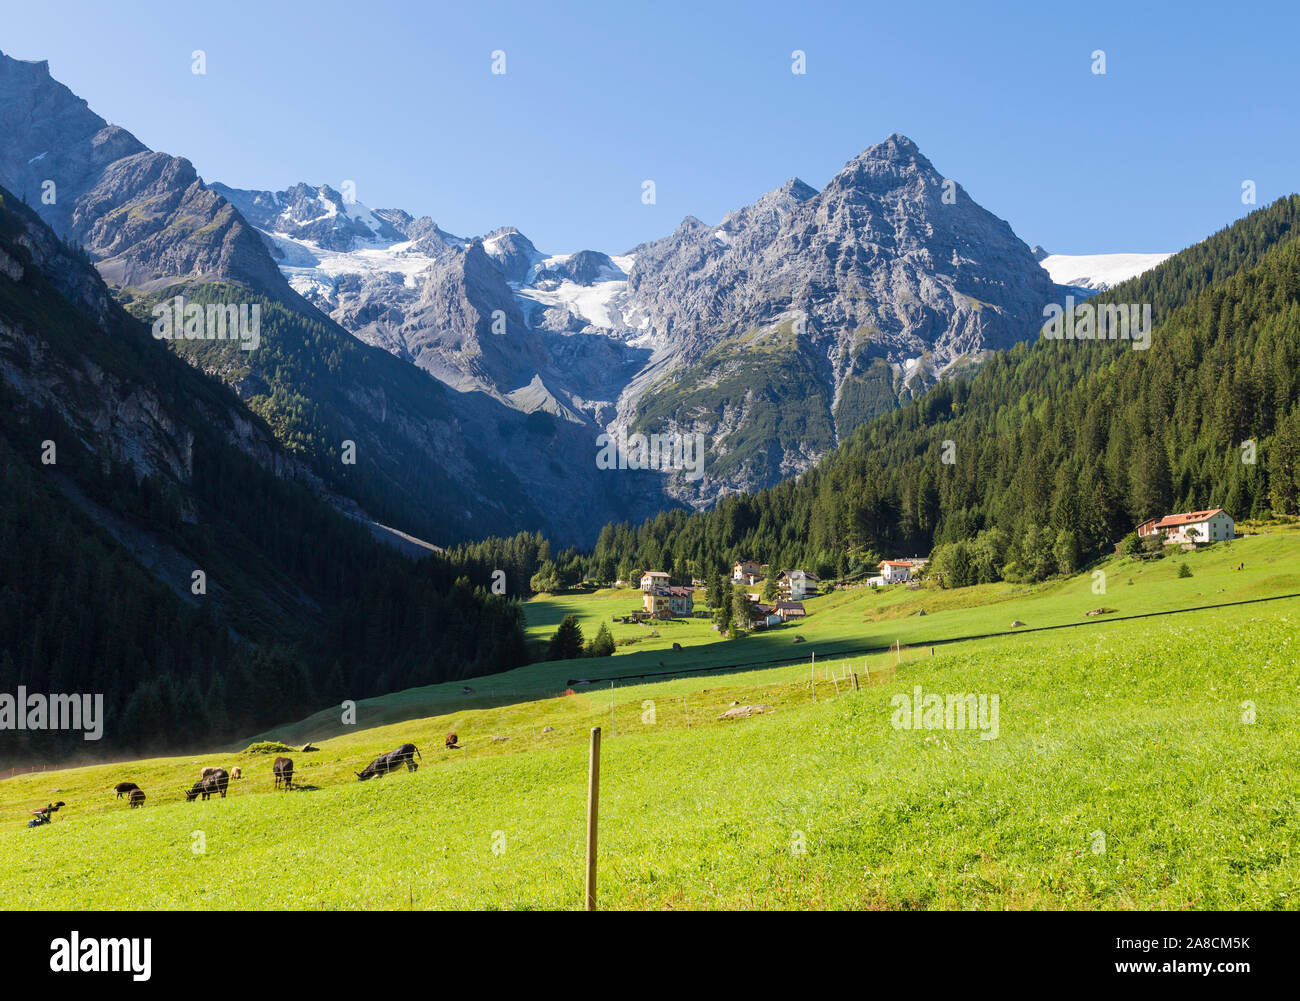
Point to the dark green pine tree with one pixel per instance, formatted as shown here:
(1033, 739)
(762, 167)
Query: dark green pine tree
(567, 641)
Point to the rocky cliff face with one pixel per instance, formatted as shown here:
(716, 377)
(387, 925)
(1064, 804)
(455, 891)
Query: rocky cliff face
(70, 351)
(877, 265)
(850, 298)
(146, 217)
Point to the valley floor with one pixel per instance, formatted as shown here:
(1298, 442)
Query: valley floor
(1144, 763)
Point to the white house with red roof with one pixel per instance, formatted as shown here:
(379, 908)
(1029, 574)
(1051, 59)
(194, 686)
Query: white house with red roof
(1197, 527)
(895, 571)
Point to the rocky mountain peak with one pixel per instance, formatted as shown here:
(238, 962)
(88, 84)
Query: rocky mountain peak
(513, 252)
(797, 190)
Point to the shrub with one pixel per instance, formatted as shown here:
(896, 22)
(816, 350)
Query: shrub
(267, 747)
(1184, 570)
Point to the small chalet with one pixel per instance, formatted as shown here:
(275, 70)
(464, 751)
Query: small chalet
(895, 571)
(797, 584)
(1148, 528)
(1195, 527)
(667, 602)
(787, 610)
(747, 572)
(652, 579)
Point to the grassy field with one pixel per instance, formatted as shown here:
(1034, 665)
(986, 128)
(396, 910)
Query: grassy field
(1144, 763)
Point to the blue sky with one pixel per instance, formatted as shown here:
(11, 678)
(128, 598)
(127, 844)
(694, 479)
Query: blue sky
(700, 98)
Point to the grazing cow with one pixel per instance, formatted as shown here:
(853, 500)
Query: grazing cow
(391, 761)
(283, 768)
(235, 773)
(124, 787)
(206, 787)
(406, 753)
(451, 741)
(137, 798)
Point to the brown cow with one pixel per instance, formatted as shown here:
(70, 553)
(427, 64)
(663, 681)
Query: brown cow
(124, 787)
(235, 773)
(137, 798)
(451, 741)
(206, 787)
(283, 768)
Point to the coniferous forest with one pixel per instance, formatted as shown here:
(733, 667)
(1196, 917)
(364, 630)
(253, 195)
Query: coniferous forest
(301, 607)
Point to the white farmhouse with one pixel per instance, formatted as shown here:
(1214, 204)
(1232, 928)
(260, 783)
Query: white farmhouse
(1214, 525)
(895, 571)
(796, 585)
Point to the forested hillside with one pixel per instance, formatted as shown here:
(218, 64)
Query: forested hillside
(1058, 448)
(115, 455)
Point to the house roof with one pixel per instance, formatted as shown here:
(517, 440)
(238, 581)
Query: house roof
(797, 574)
(895, 563)
(1190, 518)
(681, 592)
(789, 606)
(654, 573)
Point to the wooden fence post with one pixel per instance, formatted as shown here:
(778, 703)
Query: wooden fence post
(593, 807)
(855, 680)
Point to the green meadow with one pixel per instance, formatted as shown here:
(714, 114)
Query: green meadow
(1138, 763)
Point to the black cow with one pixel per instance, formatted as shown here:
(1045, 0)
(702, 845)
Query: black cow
(205, 787)
(124, 787)
(283, 768)
(385, 763)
